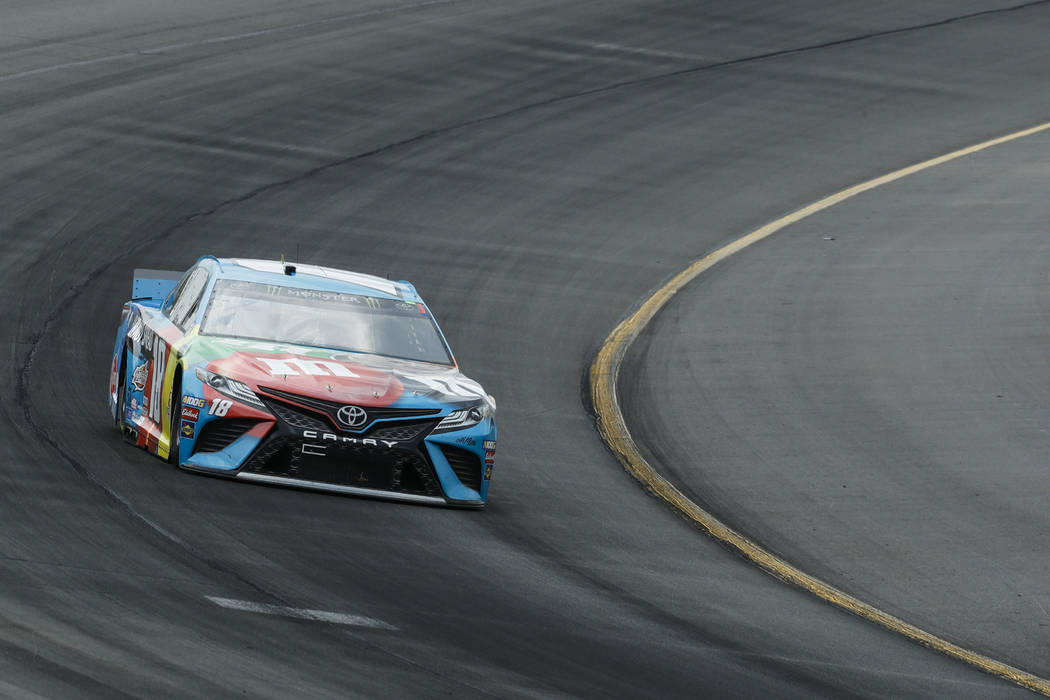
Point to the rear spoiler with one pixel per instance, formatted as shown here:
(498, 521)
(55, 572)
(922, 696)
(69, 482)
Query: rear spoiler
(154, 284)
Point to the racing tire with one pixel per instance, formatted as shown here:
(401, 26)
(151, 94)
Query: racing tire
(126, 433)
(121, 405)
(175, 438)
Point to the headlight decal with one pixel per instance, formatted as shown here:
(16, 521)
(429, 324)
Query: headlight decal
(227, 386)
(464, 418)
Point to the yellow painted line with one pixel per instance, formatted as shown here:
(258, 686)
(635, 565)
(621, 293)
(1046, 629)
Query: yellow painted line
(606, 368)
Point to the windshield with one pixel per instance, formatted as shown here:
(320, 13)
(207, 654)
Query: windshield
(350, 322)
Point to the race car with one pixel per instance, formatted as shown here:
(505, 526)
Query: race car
(300, 375)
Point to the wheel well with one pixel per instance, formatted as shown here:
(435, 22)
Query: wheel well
(173, 415)
(122, 363)
(121, 388)
(176, 391)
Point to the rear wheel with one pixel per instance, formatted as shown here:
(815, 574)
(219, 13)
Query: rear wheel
(122, 413)
(120, 399)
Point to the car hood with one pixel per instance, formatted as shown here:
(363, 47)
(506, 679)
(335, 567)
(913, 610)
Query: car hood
(355, 378)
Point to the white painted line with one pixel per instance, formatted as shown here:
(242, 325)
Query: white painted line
(301, 613)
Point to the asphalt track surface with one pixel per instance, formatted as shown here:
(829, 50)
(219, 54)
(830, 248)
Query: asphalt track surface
(537, 168)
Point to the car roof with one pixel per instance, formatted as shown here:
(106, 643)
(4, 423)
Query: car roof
(312, 277)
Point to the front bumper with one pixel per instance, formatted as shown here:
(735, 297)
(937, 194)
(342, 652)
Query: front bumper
(397, 459)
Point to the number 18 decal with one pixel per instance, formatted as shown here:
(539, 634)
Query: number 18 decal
(219, 407)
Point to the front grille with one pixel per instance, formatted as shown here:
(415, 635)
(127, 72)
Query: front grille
(218, 434)
(305, 419)
(331, 408)
(365, 466)
(297, 418)
(402, 431)
(307, 447)
(465, 464)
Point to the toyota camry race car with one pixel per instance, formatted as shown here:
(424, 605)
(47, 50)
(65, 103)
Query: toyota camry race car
(300, 375)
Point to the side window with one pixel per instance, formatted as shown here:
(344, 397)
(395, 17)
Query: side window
(174, 294)
(188, 298)
(196, 301)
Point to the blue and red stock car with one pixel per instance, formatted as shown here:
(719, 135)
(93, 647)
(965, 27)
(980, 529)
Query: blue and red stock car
(300, 375)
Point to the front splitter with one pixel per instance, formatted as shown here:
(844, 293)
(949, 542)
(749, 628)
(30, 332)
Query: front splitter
(339, 488)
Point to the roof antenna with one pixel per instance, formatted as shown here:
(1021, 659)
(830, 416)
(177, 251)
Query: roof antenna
(288, 269)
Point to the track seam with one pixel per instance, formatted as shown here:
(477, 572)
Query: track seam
(603, 375)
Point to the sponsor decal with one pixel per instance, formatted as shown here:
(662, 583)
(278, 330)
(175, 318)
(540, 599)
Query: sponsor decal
(454, 385)
(352, 416)
(187, 429)
(135, 331)
(190, 413)
(332, 437)
(488, 472)
(220, 407)
(138, 377)
(254, 289)
(192, 401)
(351, 382)
(466, 441)
(134, 403)
(490, 444)
(113, 375)
(295, 366)
(159, 363)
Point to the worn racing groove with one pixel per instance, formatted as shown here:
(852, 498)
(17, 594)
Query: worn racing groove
(443, 141)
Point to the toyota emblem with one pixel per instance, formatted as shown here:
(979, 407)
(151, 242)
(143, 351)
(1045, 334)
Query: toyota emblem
(352, 416)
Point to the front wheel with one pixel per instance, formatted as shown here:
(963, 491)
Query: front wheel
(175, 439)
